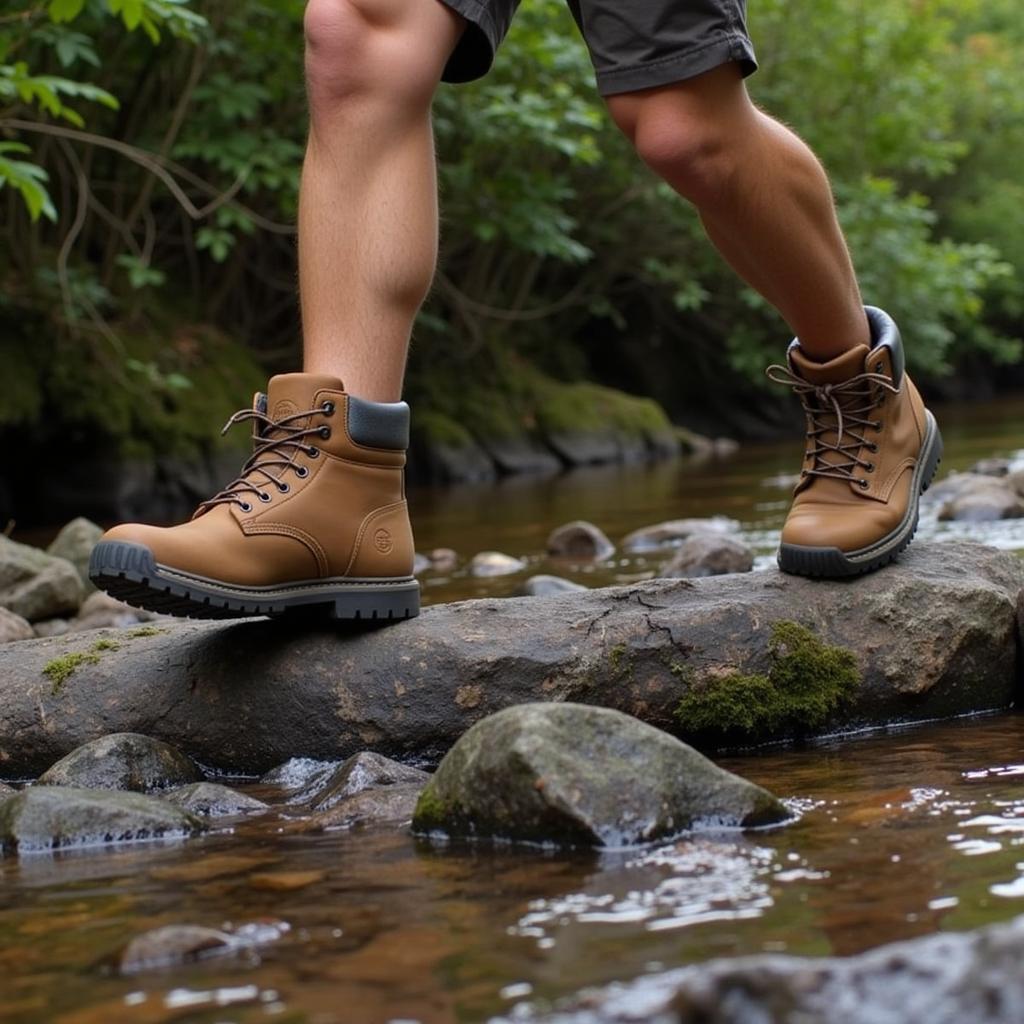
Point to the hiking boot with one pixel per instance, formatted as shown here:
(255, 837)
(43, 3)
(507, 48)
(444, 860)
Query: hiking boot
(872, 449)
(316, 520)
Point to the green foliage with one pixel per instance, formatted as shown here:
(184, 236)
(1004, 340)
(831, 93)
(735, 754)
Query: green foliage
(808, 680)
(556, 239)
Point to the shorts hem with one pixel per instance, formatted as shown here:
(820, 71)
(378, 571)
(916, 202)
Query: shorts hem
(474, 53)
(679, 67)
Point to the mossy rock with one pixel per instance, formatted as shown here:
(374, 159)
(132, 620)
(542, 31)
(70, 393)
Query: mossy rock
(575, 775)
(807, 682)
(443, 449)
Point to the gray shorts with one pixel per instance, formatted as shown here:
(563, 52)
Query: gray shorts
(634, 44)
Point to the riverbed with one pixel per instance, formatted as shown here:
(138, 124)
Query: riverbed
(897, 835)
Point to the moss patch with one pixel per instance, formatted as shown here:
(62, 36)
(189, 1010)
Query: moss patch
(59, 670)
(431, 811)
(807, 682)
(146, 631)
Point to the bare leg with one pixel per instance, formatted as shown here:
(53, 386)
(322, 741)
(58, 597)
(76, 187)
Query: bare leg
(762, 196)
(368, 217)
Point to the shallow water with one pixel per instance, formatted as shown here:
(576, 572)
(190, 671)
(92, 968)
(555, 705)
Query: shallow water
(516, 515)
(898, 835)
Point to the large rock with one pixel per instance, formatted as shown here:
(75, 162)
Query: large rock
(583, 776)
(123, 761)
(977, 498)
(55, 817)
(365, 770)
(74, 543)
(14, 627)
(931, 636)
(942, 979)
(381, 805)
(36, 585)
(709, 554)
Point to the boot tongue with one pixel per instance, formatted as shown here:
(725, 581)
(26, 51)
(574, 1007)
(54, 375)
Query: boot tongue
(843, 367)
(289, 393)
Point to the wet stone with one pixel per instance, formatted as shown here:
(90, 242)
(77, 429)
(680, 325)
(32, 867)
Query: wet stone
(494, 563)
(546, 586)
(383, 805)
(171, 946)
(44, 818)
(575, 775)
(301, 778)
(365, 770)
(675, 531)
(6, 791)
(444, 560)
(123, 761)
(210, 800)
(709, 554)
(580, 541)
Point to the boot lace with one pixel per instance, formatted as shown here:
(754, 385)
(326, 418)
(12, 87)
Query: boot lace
(841, 409)
(276, 444)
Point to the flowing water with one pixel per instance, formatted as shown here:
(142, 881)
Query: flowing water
(897, 835)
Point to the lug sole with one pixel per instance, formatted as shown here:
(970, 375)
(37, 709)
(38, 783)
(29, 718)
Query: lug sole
(131, 573)
(832, 563)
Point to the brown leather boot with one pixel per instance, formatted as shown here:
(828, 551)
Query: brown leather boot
(317, 519)
(872, 449)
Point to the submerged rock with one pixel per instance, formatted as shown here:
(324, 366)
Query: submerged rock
(494, 563)
(546, 586)
(942, 979)
(14, 627)
(709, 554)
(365, 770)
(210, 800)
(301, 778)
(975, 497)
(55, 817)
(580, 541)
(123, 761)
(173, 945)
(583, 776)
(675, 531)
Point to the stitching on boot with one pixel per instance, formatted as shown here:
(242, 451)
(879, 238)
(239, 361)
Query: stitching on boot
(296, 534)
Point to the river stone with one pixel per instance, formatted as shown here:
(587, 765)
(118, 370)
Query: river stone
(984, 499)
(444, 559)
(51, 592)
(75, 543)
(674, 532)
(382, 805)
(210, 800)
(51, 817)
(51, 627)
(173, 945)
(101, 611)
(123, 761)
(420, 564)
(950, 978)
(580, 541)
(14, 627)
(709, 554)
(932, 636)
(494, 563)
(6, 791)
(545, 586)
(365, 770)
(301, 778)
(582, 776)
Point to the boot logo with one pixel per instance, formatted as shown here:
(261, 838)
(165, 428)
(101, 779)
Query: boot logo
(382, 542)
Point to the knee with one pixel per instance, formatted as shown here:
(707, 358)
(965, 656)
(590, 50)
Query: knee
(363, 49)
(688, 148)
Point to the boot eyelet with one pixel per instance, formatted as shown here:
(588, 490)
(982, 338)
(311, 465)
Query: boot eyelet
(878, 425)
(264, 497)
(879, 367)
(313, 453)
(301, 472)
(864, 483)
(245, 506)
(327, 408)
(284, 488)
(869, 468)
(325, 433)
(872, 447)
